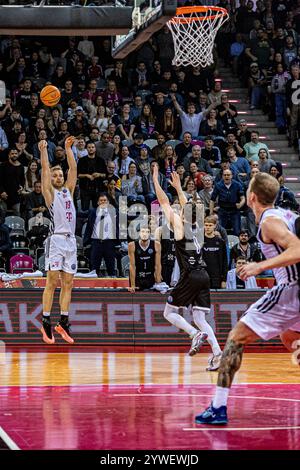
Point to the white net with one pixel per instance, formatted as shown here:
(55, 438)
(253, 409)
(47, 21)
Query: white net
(194, 31)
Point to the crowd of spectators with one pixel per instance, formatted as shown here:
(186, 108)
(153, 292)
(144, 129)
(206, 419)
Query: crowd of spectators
(130, 115)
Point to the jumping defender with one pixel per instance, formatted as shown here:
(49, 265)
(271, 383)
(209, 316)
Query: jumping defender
(60, 246)
(193, 285)
(278, 310)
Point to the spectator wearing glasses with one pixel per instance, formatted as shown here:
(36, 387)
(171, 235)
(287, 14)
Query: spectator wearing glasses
(243, 133)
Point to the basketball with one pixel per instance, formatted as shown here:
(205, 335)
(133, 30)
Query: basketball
(50, 95)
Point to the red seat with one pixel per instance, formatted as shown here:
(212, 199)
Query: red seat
(21, 264)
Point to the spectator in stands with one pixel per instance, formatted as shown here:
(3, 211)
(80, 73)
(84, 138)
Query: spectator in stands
(12, 180)
(252, 148)
(214, 97)
(285, 197)
(158, 150)
(167, 164)
(264, 162)
(212, 126)
(214, 254)
(235, 282)
(191, 120)
(146, 123)
(168, 125)
(122, 163)
(111, 175)
(293, 107)
(230, 200)
(137, 107)
(24, 151)
(50, 147)
(124, 123)
(236, 50)
(138, 143)
(202, 164)
(212, 154)
(112, 98)
(101, 120)
(243, 133)
(256, 83)
(60, 159)
(101, 233)
(79, 148)
(190, 189)
(206, 192)
(241, 164)
(113, 193)
(184, 148)
(35, 202)
(143, 161)
(132, 185)
(105, 148)
(119, 75)
(91, 170)
(3, 140)
(31, 176)
(278, 88)
(227, 113)
(243, 248)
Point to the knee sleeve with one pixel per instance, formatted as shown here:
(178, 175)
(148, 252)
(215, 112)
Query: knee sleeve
(169, 309)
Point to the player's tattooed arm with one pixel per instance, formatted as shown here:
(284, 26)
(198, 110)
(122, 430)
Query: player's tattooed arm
(230, 363)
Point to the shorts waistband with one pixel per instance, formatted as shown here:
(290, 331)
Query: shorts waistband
(68, 235)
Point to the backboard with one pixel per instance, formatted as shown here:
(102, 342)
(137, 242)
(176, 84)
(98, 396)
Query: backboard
(148, 16)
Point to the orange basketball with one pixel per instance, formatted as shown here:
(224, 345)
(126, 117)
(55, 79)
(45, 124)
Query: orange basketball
(50, 95)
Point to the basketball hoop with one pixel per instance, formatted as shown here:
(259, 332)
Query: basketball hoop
(194, 31)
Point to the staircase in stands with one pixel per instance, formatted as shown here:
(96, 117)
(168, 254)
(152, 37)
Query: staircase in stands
(278, 144)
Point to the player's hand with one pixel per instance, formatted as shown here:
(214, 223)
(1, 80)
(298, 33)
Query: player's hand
(69, 142)
(42, 145)
(251, 269)
(132, 289)
(175, 180)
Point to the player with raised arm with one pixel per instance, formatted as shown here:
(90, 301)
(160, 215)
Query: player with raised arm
(193, 285)
(278, 310)
(60, 246)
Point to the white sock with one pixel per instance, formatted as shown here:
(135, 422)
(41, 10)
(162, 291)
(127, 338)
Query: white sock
(178, 321)
(199, 319)
(221, 397)
(65, 313)
(46, 314)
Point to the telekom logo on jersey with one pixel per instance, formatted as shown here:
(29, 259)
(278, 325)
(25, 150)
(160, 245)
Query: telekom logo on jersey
(101, 317)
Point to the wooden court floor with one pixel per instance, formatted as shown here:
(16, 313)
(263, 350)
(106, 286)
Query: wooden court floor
(118, 400)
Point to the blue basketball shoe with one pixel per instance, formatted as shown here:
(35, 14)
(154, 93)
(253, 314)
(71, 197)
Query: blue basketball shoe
(213, 416)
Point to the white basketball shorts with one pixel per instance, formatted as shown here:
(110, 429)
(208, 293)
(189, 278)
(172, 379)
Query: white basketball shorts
(275, 312)
(61, 253)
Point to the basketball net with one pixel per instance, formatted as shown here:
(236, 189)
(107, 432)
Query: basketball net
(194, 31)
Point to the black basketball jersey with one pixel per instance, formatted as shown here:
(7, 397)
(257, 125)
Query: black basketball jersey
(189, 251)
(144, 261)
(168, 250)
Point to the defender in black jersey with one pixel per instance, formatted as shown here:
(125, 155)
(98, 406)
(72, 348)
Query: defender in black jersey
(145, 262)
(193, 285)
(165, 236)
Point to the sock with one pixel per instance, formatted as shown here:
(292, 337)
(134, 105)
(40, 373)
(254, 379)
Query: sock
(178, 321)
(46, 316)
(221, 397)
(199, 319)
(64, 316)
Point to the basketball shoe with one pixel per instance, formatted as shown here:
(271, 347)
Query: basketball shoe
(47, 331)
(197, 341)
(214, 362)
(63, 328)
(213, 416)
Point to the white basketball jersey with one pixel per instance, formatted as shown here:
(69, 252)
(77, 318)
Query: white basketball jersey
(270, 250)
(63, 213)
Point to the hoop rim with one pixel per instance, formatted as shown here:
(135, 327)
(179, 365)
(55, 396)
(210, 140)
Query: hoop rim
(198, 9)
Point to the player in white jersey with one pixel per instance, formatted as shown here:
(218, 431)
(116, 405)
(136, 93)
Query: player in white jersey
(278, 310)
(60, 246)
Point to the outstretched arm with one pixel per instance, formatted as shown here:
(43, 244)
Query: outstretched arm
(275, 231)
(45, 174)
(72, 173)
(173, 219)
